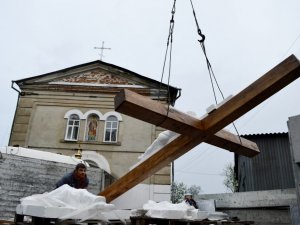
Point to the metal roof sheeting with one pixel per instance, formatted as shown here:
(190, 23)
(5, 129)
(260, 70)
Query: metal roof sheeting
(271, 169)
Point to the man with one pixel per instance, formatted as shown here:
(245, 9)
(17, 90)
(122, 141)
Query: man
(189, 200)
(76, 179)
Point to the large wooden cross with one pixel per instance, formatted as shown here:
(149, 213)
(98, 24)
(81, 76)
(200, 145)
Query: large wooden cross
(195, 131)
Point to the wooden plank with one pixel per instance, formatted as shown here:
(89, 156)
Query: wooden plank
(148, 110)
(233, 143)
(185, 142)
(6, 222)
(153, 164)
(267, 85)
(143, 220)
(160, 159)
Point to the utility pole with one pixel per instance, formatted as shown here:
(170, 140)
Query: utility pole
(102, 48)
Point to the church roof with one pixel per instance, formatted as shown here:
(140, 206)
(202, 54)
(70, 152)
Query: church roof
(97, 76)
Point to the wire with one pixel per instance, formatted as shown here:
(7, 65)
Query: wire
(294, 42)
(169, 43)
(199, 158)
(265, 103)
(192, 172)
(200, 153)
(209, 67)
(168, 50)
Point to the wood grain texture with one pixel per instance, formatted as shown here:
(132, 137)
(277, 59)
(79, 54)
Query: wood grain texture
(193, 131)
(148, 110)
(267, 85)
(167, 154)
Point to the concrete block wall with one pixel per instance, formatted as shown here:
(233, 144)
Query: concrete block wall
(21, 177)
(262, 216)
(262, 207)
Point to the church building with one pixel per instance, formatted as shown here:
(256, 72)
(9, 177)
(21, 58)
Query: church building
(72, 110)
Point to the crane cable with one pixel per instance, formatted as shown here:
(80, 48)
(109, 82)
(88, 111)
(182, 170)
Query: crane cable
(168, 51)
(209, 67)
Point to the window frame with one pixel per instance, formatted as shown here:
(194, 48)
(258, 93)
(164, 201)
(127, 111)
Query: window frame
(72, 127)
(111, 128)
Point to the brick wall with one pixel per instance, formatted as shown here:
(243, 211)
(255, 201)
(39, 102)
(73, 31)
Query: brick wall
(21, 177)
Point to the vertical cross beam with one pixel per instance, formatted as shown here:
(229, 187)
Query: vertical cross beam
(197, 131)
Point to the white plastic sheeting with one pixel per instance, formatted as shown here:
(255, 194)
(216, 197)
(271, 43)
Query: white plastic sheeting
(65, 202)
(167, 210)
(163, 139)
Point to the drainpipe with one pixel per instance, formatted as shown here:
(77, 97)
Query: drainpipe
(19, 93)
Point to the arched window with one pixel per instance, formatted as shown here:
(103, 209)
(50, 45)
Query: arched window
(92, 124)
(111, 129)
(72, 128)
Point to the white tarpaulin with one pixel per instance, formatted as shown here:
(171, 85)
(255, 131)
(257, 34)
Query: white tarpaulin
(65, 202)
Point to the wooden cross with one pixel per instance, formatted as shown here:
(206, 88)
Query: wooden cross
(194, 131)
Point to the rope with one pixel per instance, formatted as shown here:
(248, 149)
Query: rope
(209, 67)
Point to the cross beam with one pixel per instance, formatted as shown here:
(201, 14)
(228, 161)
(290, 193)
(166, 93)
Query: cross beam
(148, 110)
(193, 131)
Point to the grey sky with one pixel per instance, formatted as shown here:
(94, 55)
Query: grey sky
(244, 39)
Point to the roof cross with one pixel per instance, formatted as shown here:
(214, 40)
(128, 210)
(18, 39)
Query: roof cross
(102, 48)
(195, 131)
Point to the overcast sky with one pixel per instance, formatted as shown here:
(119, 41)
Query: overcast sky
(244, 39)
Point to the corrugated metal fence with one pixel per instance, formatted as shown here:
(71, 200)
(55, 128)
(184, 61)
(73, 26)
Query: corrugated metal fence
(269, 170)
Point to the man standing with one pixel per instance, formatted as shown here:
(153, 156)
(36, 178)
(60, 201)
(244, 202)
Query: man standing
(76, 179)
(188, 198)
